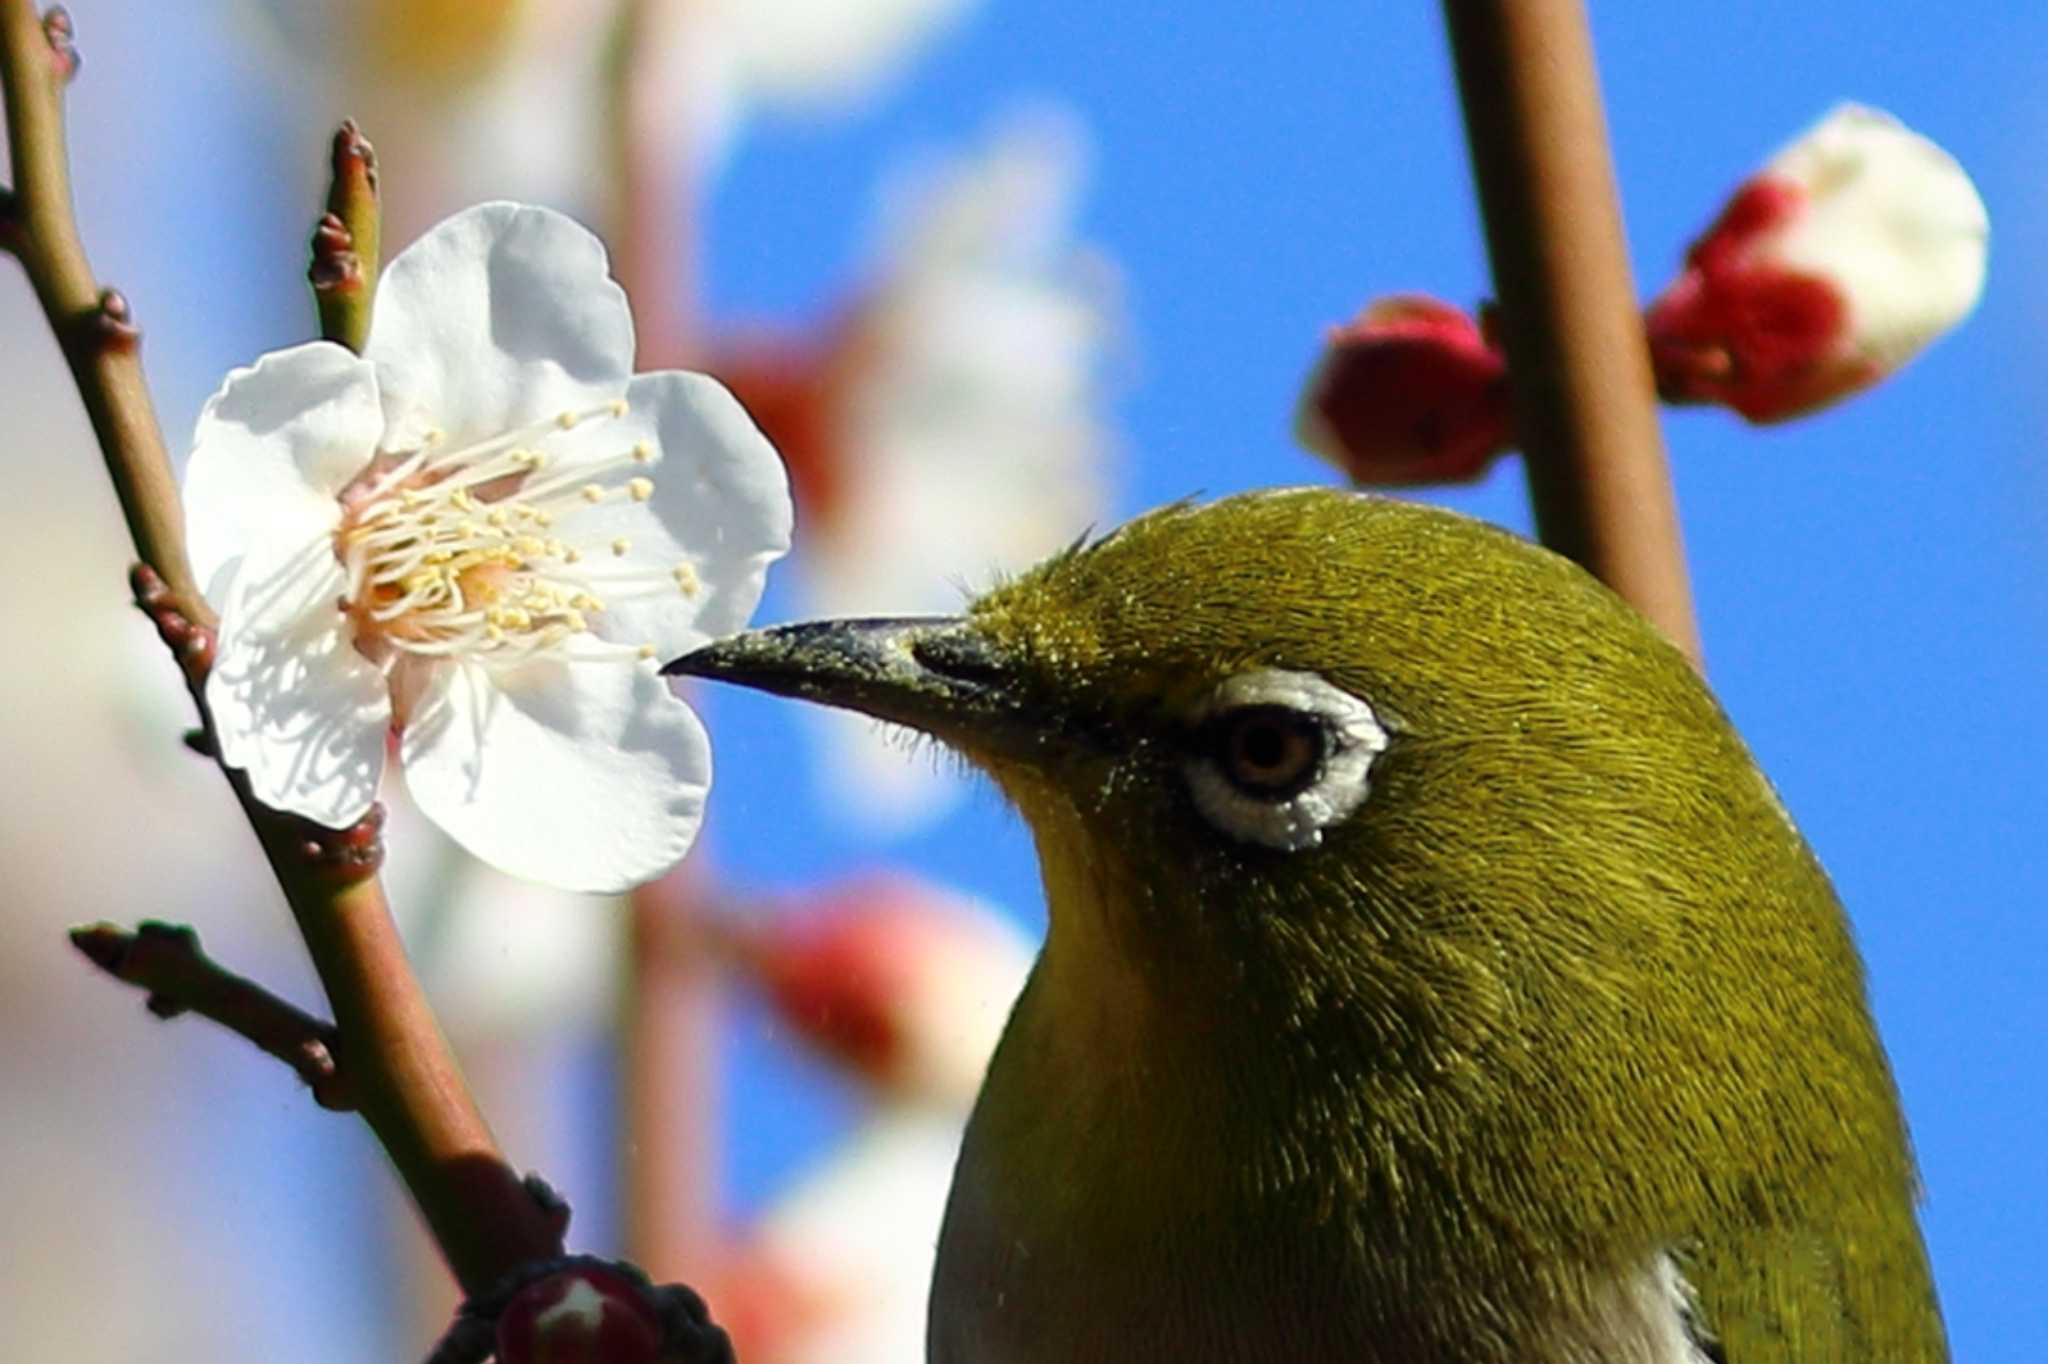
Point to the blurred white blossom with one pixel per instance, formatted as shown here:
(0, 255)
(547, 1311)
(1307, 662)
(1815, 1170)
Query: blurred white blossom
(468, 535)
(479, 99)
(951, 426)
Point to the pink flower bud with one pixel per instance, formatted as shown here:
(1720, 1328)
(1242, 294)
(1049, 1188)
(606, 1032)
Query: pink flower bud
(1846, 255)
(1411, 391)
(905, 984)
(582, 1315)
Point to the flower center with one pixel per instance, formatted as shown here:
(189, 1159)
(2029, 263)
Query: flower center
(457, 552)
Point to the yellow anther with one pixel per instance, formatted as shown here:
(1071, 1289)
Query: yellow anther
(567, 420)
(584, 601)
(572, 556)
(617, 407)
(645, 651)
(621, 547)
(591, 493)
(499, 517)
(687, 579)
(640, 489)
(643, 453)
(574, 620)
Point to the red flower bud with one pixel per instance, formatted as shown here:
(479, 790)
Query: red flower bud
(581, 1315)
(1852, 250)
(1412, 391)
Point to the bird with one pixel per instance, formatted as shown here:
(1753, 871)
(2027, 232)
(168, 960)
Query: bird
(1431, 973)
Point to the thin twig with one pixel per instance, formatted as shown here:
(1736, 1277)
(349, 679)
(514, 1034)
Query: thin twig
(669, 1091)
(1585, 404)
(346, 241)
(653, 179)
(93, 327)
(165, 960)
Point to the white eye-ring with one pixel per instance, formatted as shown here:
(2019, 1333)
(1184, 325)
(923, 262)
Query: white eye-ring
(1280, 756)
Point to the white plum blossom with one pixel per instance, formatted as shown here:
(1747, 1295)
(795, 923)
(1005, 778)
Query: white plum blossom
(1846, 255)
(481, 534)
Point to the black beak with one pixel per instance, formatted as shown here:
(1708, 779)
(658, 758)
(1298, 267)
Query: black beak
(938, 674)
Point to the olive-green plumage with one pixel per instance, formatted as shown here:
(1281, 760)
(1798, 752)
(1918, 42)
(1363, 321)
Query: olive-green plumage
(1563, 1017)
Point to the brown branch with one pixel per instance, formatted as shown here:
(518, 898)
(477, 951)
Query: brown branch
(405, 1080)
(669, 1015)
(1585, 404)
(653, 179)
(93, 327)
(407, 1084)
(669, 1087)
(165, 960)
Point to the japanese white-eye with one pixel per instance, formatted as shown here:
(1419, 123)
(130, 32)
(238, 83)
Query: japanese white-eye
(1432, 976)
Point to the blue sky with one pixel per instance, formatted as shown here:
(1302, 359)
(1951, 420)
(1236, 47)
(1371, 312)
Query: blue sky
(1871, 582)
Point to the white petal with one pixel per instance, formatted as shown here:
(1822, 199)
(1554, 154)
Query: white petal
(294, 704)
(587, 776)
(720, 505)
(1893, 220)
(499, 316)
(272, 449)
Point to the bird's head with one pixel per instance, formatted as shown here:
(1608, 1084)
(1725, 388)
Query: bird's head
(1318, 774)
(1280, 690)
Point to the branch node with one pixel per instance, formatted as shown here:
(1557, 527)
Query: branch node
(165, 961)
(192, 645)
(550, 1201)
(62, 35)
(336, 268)
(111, 325)
(515, 1319)
(355, 164)
(335, 857)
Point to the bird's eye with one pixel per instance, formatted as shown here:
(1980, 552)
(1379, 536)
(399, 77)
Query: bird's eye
(1269, 752)
(1279, 756)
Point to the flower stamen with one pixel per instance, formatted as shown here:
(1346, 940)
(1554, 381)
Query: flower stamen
(444, 555)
